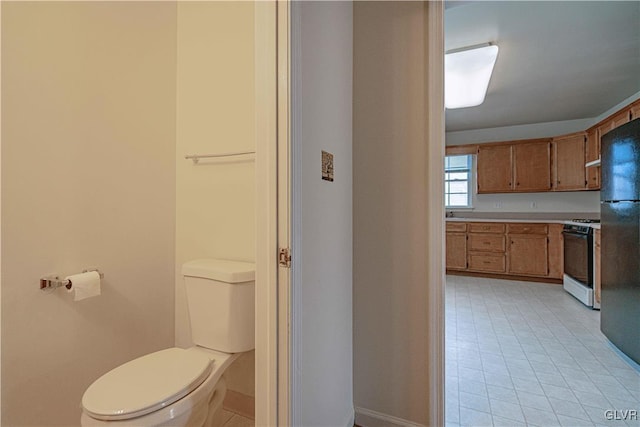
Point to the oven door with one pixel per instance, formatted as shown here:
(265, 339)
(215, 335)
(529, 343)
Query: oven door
(578, 257)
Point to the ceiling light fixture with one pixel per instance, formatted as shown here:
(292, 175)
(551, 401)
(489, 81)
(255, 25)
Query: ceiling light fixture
(467, 72)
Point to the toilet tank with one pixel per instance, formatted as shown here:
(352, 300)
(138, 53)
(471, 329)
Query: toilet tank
(220, 297)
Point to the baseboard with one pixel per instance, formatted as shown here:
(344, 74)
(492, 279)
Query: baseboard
(368, 418)
(351, 419)
(505, 277)
(240, 404)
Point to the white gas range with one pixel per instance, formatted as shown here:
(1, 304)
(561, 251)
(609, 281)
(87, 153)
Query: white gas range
(578, 278)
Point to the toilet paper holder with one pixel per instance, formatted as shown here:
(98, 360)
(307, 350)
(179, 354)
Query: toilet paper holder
(53, 282)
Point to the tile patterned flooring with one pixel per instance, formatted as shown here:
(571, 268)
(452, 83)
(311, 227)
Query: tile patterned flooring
(524, 353)
(235, 420)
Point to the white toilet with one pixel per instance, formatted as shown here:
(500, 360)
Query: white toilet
(178, 387)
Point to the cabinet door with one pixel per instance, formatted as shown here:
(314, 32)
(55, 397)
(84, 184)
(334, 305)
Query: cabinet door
(569, 161)
(624, 116)
(592, 153)
(456, 251)
(494, 169)
(594, 174)
(532, 166)
(621, 118)
(528, 254)
(556, 253)
(635, 111)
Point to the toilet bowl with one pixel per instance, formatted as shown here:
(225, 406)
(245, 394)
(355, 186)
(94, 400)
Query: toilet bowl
(183, 387)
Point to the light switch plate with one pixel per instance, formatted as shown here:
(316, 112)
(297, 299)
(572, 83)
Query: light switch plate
(327, 166)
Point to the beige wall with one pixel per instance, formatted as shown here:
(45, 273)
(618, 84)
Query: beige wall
(390, 202)
(88, 179)
(215, 207)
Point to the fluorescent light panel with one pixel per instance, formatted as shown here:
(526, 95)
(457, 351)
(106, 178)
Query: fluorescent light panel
(466, 75)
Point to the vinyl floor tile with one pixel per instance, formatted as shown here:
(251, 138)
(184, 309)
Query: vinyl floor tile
(525, 353)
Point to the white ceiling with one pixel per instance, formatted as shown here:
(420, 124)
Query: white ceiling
(558, 60)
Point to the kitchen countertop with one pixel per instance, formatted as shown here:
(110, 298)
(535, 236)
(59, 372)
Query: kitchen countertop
(524, 218)
(546, 221)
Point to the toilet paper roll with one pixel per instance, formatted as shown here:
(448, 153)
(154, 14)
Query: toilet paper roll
(84, 285)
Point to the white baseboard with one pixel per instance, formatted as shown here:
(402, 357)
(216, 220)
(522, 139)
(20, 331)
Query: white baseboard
(368, 418)
(351, 419)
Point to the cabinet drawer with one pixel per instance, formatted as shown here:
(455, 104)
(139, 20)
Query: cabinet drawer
(456, 226)
(486, 227)
(487, 262)
(527, 228)
(485, 242)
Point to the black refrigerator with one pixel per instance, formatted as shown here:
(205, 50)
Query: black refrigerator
(620, 245)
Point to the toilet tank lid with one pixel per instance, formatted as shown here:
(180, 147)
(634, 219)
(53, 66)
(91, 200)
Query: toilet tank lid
(221, 270)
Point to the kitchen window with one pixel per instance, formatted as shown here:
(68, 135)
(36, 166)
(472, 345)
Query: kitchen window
(457, 181)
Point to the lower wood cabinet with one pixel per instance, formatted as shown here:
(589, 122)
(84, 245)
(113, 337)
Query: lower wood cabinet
(516, 249)
(487, 262)
(528, 255)
(556, 251)
(456, 250)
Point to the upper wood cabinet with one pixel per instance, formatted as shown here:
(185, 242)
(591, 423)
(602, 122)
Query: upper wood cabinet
(592, 152)
(531, 171)
(634, 111)
(494, 169)
(568, 162)
(538, 165)
(620, 118)
(514, 167)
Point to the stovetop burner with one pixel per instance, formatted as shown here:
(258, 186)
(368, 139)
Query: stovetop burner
(586, 221)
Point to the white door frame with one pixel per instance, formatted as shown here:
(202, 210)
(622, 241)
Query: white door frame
(435, 221)
(266, 365)
(271, 57)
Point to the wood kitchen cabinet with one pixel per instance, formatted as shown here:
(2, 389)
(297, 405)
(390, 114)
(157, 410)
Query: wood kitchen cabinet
(505, 249)
(569, 162)
(494, 169)
(528, 254)
(592, 153)
(525, 166)
(531, 167)
(556, 251)
(486, 247)
(456, 246)
(634, 111)
(620, 118)
(516, 167)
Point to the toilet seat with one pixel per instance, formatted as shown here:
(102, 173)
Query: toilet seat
(146, 384)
